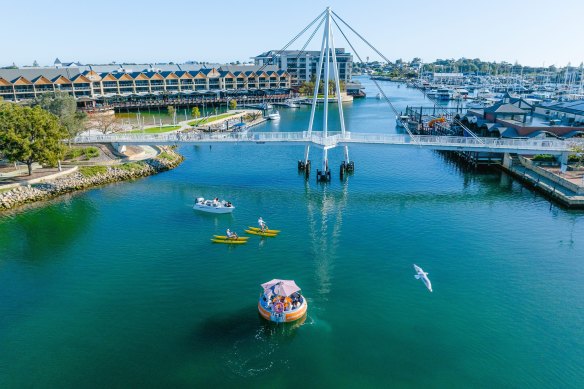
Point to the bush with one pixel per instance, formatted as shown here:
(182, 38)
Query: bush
(90, 171)
(86, 152)
(544, 158)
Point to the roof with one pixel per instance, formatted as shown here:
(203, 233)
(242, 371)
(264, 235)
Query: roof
(573, 107)
(34, 72)
(507, 108)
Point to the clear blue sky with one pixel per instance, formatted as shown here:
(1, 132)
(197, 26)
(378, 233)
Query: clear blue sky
(223, 31)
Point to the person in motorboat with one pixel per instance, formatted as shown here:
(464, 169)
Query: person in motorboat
(262, 224)
(231, 234)
(216, 201)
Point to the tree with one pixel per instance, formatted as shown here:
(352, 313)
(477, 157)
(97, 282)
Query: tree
(31, 134)
(105, 123)
(578, 150)
(64, 107)
(170, 109)
(196, 112)
(232, 104)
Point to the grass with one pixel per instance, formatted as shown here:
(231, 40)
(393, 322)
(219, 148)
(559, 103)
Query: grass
(90, 171)
(165, 155)
(86, 152)
(130, 166)
(211, 119)
(155, 130)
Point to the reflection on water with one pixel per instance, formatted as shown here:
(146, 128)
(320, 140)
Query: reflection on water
(53, 228)
(325, 208)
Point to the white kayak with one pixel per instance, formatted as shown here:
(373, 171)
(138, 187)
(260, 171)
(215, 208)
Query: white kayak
(212, 206)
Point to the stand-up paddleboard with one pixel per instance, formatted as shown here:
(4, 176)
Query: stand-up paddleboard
(260, 233)
(268, 231)
(229, 241)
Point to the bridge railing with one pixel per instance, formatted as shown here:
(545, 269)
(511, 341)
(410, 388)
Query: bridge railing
(334, 138)
(460, 141)
(198, 137)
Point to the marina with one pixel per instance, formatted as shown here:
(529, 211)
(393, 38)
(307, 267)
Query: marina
(155, 304)
(425, 218)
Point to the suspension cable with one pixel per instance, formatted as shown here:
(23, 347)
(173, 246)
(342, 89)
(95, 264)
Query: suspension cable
(405, 125)
(309, 39)
(363, 39)
(292, 41)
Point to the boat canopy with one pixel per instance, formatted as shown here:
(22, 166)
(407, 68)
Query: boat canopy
(280, 287)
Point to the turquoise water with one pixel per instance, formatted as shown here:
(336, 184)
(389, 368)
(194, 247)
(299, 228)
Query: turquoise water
(121, 287)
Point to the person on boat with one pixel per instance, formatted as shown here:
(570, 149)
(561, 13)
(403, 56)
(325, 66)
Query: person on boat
(262, 224)
(215, 201)
(231, 235)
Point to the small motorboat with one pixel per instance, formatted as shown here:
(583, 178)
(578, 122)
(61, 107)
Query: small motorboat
(401, 120)
(291, 104)
(213, 206)
(281, 301)
(274, 115)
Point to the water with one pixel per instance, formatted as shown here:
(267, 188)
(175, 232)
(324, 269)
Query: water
(121, 287)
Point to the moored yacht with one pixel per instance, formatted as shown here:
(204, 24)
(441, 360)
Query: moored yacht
(274, 115)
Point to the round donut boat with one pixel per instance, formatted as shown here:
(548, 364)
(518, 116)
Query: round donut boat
(279, 312)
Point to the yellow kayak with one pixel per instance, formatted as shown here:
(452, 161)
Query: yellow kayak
(225, 237)
(230, 241)
(260, 233)
(268, 231)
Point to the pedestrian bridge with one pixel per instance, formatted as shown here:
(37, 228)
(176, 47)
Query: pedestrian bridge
(334, 139)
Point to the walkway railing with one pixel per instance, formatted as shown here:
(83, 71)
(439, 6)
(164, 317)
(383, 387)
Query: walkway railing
(553, 146)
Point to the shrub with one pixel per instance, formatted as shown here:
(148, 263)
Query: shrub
(544, 158)
(76, 152)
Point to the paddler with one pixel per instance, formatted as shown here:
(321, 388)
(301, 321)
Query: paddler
(231, 235)
(262, 224)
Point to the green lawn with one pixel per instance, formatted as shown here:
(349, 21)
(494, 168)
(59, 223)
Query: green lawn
(155, 130)
(201, 122)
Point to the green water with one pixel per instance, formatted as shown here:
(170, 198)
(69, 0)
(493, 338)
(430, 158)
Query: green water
(121, 287)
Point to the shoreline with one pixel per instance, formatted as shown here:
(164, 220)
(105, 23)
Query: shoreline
(87, 178)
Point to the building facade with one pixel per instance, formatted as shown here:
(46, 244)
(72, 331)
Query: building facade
(302, 65)
(28, 83)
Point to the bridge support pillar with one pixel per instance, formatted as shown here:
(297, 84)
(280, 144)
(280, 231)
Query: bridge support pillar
(324, 175)
(507, 161)
(564, 161)
(119, 147)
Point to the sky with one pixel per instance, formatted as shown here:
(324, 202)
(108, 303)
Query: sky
(529, 32)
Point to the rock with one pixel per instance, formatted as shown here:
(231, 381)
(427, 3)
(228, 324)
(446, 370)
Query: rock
(76, 181)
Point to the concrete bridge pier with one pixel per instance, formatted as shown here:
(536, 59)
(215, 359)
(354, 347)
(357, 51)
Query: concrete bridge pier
(304, 165)
(564, 161)
(120, 148)
(324, 175)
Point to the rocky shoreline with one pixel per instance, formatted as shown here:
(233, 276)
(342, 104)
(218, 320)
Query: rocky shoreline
(167, 160)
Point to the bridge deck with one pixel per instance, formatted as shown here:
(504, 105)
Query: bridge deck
(496, 145)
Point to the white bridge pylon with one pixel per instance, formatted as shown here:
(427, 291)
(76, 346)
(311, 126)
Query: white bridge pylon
(327, 57)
